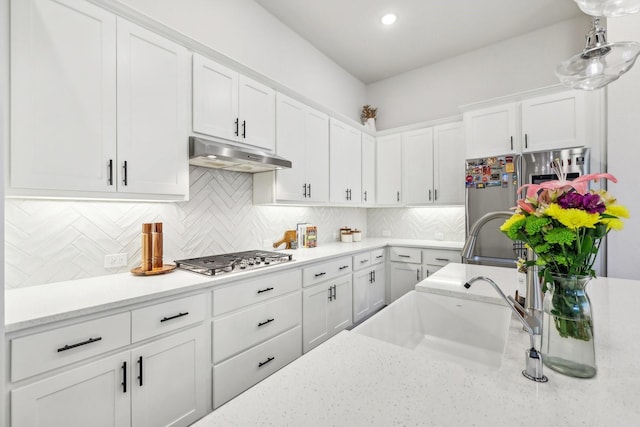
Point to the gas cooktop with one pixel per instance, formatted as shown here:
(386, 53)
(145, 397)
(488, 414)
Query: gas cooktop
(233, 262)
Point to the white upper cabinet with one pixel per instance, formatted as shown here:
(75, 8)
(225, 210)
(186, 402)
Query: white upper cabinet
(389, 170)
(63, 95)
(448, 164)
(302, 138)
(368, 170)
(417, 166)
(345, 157)
(491, 131)
(229, 105)
(554, 121)
(153, 102)
(99, 105)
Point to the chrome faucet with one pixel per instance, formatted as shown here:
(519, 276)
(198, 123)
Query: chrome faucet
(533, 295)
(533, 358)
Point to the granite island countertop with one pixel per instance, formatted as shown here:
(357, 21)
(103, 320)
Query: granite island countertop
(354, 380)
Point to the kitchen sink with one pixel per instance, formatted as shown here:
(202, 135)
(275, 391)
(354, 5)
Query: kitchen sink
(443, 327)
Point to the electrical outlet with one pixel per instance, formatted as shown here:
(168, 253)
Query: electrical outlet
(115, 260)
(386, 233)
(439, 236)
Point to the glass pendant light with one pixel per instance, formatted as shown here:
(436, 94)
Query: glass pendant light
(609, 8)
(600, 62)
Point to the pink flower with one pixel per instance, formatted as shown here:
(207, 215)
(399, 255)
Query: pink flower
(580, 184)
(527, 207)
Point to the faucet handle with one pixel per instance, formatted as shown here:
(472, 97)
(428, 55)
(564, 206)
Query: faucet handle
(533, 363)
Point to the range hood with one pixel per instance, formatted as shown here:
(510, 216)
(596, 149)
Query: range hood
(213, 154)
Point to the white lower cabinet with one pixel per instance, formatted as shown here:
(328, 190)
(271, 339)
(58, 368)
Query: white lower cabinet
(326, 310)
(405, 270)
(434, 259)
(368, 284)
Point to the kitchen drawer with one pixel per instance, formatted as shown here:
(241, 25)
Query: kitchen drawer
(237, 332)
(168, 316)
(247, 292)
(246, 369)
(440, 256)
(320, 272)
(406, 255)
(52, 349)
(377, 256)
(361, 261)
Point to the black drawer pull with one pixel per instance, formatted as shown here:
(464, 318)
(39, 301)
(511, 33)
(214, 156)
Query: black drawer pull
(265, 322)
(379, 256)
(442, 259)
(320, 274)
(364, 261)
(270, 359)
(264, 290)
(164, 319)
(69, 347)
(404, 256)
(343, 267)
(140, 376)
(124, 377)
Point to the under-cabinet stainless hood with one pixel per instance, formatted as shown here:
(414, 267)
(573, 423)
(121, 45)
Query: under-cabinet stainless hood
(213, 154)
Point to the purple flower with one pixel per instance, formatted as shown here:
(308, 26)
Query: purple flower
(592, 204)
(570, 201)
(587, 202)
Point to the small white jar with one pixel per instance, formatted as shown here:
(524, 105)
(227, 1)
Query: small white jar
(346, 237)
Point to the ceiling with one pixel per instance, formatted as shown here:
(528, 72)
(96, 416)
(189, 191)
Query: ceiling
(427, 31)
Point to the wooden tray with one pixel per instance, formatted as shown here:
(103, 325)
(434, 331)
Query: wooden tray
(166, 268)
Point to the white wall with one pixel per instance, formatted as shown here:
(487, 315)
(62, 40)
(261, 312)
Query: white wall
(623, 151)
(246, 33)
(511, 66)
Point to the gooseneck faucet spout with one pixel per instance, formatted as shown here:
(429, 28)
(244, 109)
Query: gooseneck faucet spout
(533, 370)
(470, 243)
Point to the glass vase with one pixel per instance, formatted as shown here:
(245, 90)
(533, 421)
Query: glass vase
(567, 330)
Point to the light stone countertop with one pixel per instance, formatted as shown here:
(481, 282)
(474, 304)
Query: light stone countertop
(354, 380)
(39, 305)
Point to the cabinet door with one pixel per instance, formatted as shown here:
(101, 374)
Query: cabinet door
(315, 315)
(389, 170)
(341, 306)
(361, 289)
(172, 380)
(417, 166)
(257, 111)
(316, 142)
(554, 121)
(215, 99)
(490, 131)
(403, 278)
(63, 95)
(91, 395)
(152, 113)
(448, 164)
(291, 183)
(344, 163)
(368, 170)
(377, 289)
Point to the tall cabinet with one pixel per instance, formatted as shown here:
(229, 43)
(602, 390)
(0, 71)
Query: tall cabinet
(389, 170)
(345, 179)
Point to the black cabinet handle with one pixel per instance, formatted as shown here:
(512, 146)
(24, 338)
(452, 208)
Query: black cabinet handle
(304, 186)
(124, 173)
(429, 195)
(435, 194)
(335, 296)
(70, 346)
(364, 261)
(526, 141)
(244, 129)
(398, 196)
(124, 377)
(261, 364)
(374, 276)
(343, 267)
(110, 168)
(140, 369)
(237, 129)
(365, 195)
(511, 142)
(404, 256)
(379, 256)
(320, 274)
(164, 319)
(309, 188)
(330, 293)
(264, 290)
(418, 274)
(371, 276)
(265, 322)
(442, 259)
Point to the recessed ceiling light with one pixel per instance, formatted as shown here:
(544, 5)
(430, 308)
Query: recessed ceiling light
(388, 19)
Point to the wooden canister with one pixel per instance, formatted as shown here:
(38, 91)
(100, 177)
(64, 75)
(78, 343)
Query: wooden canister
(156, 242)
(146, 264)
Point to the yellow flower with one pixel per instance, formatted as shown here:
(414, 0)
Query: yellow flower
(572, 218)
(508, 223)
(617, 211)
(613, 223)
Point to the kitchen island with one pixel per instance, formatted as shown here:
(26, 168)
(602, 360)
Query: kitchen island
(356, 380)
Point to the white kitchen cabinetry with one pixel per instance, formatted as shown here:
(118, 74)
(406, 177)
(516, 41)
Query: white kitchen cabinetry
(554, 121)
(302, 138)
(491, 131)
(345, 169)
(448, 164)
(83, 79)
(63, 95)
(405, 271)
(389, 170)
(434, 259)
(417, 166)
(228, 105)
(256, 331)
(368, 170)
(368, 283)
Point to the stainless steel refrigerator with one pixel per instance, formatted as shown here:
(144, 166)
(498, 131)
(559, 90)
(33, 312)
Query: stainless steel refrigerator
(491, 185)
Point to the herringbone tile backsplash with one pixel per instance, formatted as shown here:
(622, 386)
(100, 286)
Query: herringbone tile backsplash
(50, 240)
